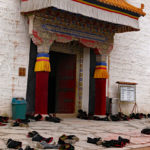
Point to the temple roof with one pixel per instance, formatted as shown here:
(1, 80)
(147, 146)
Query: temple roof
(113, 11)
(124, 5)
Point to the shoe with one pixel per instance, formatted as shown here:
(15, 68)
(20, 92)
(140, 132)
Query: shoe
(52, 119)
(113, 143)
(4, 119)
(28, 148)
(73, 137)
(38, 117)
(146, 131)
(62, 139)
(32, 134)
(37, 138)
(96, 141)
(15, 124)
(125, 141)
(66, 147)
(82, 115)
(14, 144)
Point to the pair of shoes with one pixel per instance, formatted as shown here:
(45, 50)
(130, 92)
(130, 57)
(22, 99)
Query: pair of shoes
(70, 139)
(38, 138)
(20, 122)
(121, 142)
(14, 144)
(82, 114)
(52, 119)
(34, 117)
(97, 141)
(4, 119)
(115, 117)
(38, 117)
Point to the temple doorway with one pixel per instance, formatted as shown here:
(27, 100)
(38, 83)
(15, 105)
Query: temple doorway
(62, 83)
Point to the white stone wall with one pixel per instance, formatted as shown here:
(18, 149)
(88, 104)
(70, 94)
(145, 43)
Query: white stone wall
(14, 53)
(130, 61)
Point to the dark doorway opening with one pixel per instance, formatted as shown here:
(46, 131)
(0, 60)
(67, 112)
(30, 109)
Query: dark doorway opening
(62, 83)
(30, 95)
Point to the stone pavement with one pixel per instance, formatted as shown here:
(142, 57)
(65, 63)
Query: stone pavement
(81, 128)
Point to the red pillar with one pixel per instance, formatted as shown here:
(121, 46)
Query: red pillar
(41, 94)
(100, 96)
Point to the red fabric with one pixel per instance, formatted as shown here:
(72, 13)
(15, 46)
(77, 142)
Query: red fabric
(100, 96)
(41, 94)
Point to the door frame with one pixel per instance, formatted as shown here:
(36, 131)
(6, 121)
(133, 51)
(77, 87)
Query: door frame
(64, 48)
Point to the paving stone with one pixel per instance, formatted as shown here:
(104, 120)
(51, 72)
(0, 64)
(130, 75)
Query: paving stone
(82, 129)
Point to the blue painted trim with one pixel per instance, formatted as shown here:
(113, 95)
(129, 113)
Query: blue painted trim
(45, 27)
(101, 63)
(42, 55)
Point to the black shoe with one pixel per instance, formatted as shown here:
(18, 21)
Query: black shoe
(146, 131)
(15, 124)
(52, 119)
(28, 148)
(113, 143)
(38, 117)
(32, 134)
(93, 140)
(115, 118)
(37, 138)
(125, 141)
(82, 115)
(14, 144)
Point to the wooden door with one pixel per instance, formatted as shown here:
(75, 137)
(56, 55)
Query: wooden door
(65, 83)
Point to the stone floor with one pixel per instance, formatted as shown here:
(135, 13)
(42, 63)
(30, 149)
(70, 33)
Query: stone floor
(83, 129)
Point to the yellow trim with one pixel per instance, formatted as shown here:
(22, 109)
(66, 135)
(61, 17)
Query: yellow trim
(109, 9)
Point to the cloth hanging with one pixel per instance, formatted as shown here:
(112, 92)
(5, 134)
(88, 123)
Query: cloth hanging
(101, 71)
(42, 63)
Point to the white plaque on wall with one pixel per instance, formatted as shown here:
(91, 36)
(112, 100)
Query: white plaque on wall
(127, 93)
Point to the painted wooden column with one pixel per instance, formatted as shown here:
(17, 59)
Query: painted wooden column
(42, 69)
(42, 66)
(100, 76)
